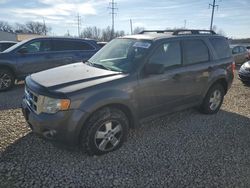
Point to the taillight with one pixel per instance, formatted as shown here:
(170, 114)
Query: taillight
(233, 67)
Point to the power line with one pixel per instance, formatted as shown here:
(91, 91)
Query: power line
(212, 16)
(113, 8)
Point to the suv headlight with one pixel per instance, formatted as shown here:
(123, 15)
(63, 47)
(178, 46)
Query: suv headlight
(51, 105)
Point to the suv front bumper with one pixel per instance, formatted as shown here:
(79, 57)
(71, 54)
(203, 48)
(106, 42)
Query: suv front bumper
(63, 126)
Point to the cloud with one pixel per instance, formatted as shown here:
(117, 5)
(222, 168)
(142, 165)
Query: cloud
(61, 9)
(3, 1)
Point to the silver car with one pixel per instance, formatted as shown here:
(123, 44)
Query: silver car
(240, 54)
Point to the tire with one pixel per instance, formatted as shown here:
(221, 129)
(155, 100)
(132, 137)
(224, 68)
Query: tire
(7, 80)
(246, 83)
(213, 99)
(105, 131)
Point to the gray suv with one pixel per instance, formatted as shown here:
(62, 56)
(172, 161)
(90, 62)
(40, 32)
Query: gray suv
(131, 78)
(42, 53)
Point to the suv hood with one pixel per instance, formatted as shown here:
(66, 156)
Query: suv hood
(73, 77)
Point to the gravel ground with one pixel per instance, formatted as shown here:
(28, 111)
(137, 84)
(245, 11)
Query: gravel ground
(185, 149)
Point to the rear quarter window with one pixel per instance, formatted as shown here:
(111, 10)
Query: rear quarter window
(221, 47)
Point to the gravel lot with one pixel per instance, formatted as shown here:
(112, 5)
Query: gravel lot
(185, 149)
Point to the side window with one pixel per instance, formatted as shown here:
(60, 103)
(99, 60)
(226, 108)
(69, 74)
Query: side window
(168, 54)
(38, 46)
(67, 45)
(221, 47)
(242, 49)
(236, 50)
(63, 45)
(195, 51)
(83, 46)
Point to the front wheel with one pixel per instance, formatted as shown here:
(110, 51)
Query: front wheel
(105, 131)
(213, 99)
(6, 79)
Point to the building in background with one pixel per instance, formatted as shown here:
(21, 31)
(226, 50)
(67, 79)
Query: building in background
(7, 36)
(21, 36)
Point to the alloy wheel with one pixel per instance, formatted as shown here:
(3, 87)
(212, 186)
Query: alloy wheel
(108, 135)
(215, 100)
(5, 80)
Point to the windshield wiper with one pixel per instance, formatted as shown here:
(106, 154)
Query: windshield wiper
(97, 65)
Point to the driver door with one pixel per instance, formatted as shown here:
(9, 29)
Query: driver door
(35, 56)
(160, 92)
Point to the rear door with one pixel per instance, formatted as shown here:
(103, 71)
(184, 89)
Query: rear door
(36, 58)
(197, 66)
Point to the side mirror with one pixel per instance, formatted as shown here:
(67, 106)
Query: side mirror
(152, 68)
(23, 50)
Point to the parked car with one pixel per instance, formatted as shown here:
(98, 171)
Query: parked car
(240, 54)
(129, 79)
(6, 44)
(244, 73)
(40, 54)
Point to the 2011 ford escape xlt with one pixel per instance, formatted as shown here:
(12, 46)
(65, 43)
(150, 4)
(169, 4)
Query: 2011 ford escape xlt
(133, 77)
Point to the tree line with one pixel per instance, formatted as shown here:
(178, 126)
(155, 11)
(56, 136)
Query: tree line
(104, 34)
(40, 28)
(29, 27)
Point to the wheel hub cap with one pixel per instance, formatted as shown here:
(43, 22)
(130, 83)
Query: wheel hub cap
(5, 81)
(108, 135)
(215, 100)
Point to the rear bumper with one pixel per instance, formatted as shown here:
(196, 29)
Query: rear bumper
(64, 126)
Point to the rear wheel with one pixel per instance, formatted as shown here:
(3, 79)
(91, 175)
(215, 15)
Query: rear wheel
(105, 131)
(6, 79)
(213, 100)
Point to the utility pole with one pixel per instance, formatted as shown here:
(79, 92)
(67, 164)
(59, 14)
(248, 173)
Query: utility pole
(131, 26)
(78, 23)
(185, 24)
(112, 7)
(212, 16)
(44, 27)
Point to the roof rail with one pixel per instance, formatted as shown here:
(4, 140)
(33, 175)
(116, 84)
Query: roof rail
(181, 31)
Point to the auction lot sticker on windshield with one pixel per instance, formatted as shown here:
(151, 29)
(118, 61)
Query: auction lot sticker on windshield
(142, 45)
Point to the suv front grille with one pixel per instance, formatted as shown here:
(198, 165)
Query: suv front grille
(32, 99)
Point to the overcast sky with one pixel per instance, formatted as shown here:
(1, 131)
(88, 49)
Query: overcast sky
(233, 16)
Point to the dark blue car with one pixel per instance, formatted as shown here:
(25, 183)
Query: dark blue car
(40, 54)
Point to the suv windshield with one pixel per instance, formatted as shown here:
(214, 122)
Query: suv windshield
(120, 54)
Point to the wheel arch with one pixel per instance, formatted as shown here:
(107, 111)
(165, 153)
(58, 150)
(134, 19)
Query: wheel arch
(221, 81)
(133, 120)
(9, 68)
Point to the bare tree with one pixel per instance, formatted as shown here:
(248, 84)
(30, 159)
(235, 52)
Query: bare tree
(138, 30)
(91, 32)
(219, 31)
(5, 26)
(37, 28)
(100, 34)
